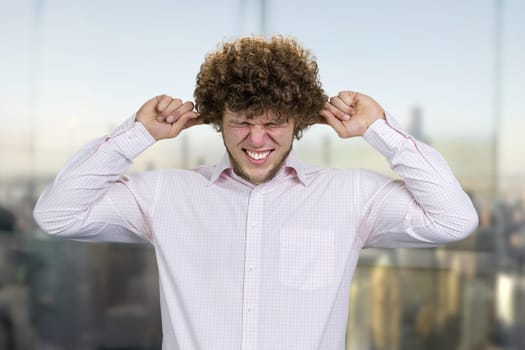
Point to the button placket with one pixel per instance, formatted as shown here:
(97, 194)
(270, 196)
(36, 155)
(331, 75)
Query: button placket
(251, 278)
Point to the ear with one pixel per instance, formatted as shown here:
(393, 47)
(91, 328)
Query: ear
(218, 126)
(298, 133)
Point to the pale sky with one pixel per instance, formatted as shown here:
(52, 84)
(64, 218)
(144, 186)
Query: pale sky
(84, 67)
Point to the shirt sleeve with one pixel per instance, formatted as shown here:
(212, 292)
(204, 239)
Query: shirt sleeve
(427, 207)
(91, 199)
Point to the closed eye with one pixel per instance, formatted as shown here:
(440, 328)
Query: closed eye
(239, 124)
(277, 124)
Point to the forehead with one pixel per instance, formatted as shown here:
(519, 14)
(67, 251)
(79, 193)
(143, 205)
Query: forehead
(267, 116)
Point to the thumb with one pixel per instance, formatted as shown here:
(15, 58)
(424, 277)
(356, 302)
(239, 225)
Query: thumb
(148, 109)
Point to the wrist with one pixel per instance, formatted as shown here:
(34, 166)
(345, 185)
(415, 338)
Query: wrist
(133, 141)
(379, 116)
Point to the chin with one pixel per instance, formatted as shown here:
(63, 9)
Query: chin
(262, 178)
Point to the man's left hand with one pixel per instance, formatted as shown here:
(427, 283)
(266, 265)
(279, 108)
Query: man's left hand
(351, 113)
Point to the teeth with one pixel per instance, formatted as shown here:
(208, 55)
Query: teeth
(258, 155)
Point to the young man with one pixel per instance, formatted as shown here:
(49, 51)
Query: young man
(258, 251)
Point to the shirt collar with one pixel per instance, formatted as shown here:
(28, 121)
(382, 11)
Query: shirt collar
(291, 166)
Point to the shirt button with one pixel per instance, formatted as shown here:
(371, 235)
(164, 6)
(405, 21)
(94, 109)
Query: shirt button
(251, 268)
(250, 309)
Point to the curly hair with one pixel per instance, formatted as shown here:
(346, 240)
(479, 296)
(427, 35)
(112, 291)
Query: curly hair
(254, 75)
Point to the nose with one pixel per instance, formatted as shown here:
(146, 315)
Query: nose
(258, 135)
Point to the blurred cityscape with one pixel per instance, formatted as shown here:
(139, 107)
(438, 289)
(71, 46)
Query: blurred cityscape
(70, 69)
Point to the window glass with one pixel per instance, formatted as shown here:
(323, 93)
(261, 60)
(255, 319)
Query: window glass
(450, 72)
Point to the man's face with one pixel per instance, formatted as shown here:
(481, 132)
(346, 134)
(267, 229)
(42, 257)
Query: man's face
(258, 146)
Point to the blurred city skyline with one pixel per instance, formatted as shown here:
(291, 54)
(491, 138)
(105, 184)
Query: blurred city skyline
(452, 72)
(74, 70)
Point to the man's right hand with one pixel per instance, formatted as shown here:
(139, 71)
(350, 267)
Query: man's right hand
(165, 117)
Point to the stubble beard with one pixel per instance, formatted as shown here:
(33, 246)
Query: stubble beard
(237, 168)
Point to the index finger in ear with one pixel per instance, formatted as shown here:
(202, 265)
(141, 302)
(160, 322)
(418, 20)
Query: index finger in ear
(194, 121)
(333, 121)
(336, 111)
(338, 103)
(320, 119)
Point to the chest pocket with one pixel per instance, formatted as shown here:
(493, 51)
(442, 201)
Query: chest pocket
(306, 258)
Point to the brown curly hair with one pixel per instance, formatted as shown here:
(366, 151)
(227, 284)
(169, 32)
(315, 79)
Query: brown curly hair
(255, 75)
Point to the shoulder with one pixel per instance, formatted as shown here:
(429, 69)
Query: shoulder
(168, 176)
(356, 180)
(205, 171)
(329, 179)
(325, 174)
(188, 177)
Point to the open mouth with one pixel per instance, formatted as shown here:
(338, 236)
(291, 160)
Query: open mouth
(257, 156)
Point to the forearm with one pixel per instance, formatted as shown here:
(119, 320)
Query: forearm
(438, 210)
(66, 204)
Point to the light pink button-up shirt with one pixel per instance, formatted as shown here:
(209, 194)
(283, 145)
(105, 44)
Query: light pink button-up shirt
(257, 267)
